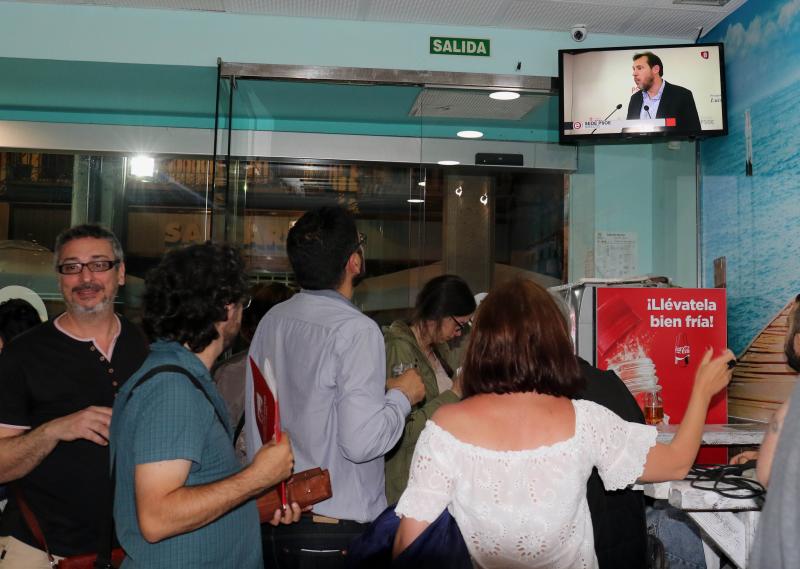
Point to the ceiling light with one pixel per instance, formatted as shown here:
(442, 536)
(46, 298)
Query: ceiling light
(421, 184)
(415, 200)
(504, 95)
(448, 162)
(469, 134)
(143, 166)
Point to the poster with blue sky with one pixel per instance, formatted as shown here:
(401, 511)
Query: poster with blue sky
(751, 212)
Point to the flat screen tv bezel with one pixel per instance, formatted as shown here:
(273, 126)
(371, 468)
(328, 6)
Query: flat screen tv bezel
(640, 136)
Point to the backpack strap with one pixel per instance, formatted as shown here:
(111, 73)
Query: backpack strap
(170, 368)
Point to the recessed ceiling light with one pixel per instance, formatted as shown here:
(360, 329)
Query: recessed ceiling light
(421, 184)
(143, 166)
(504, 95)
(469, 133)
(415, 200)
(448, 162)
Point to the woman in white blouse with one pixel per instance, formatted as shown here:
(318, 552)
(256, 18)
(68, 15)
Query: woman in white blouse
(512, 459)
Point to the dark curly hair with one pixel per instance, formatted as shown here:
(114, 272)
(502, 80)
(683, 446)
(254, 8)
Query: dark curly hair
(188, 292)
(319, 245)
(520, 343)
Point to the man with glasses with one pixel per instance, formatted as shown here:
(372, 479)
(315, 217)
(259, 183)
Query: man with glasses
(58, 383)
(329, 365)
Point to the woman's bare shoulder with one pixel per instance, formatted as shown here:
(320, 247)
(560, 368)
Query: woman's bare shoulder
(452, 415)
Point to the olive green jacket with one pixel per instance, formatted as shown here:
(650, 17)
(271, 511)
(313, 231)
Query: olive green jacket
(402, 347)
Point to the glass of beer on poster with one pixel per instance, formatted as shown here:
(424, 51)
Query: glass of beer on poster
(653, 406)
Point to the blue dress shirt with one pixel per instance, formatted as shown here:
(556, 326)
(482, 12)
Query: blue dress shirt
(330, 367)
(651, 102)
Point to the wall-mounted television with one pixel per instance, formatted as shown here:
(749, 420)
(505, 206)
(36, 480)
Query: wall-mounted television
(664, 91)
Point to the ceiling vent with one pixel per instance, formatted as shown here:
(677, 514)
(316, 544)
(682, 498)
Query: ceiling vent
(475, 104)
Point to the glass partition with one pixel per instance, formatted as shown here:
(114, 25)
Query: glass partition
(429, 200)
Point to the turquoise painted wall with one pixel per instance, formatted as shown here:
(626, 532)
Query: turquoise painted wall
(123, 35)
(624, 194)
(646, 189)
(67, 65)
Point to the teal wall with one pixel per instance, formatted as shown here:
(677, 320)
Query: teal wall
(121, 66)
(123, 35)
(646, 189)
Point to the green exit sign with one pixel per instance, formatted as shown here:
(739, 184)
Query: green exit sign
(459, 46)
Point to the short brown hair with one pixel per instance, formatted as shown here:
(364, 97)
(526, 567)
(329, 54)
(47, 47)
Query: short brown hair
(652, 61)
(520, 343)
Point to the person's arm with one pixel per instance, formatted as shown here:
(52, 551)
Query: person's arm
(672, 461)
(744, 456)
(371, 419)
(22, 450)
(166, 507)
(408, 531)
(767, 451)
(430, 488)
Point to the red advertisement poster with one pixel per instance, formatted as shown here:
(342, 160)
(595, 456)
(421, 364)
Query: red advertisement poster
(654, 338)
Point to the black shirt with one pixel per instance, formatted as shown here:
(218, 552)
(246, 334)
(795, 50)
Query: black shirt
(46, 374)
(618, 517)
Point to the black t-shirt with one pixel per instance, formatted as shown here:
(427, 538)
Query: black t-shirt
(618, 517)
(46, 374)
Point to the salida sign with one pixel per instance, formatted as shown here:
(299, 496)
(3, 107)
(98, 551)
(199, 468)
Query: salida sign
(459, 46)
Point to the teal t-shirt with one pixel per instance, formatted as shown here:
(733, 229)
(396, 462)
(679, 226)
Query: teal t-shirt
(168, 418)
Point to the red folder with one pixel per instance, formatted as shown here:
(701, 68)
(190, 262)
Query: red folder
(268, 416)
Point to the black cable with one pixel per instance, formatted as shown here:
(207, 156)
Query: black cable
(726, 480)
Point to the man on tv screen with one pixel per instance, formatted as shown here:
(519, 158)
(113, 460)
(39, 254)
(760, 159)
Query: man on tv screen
(657, 99)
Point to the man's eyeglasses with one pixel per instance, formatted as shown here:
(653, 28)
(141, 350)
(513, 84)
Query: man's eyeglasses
(463, 327)
(246, 301)
(93, 266)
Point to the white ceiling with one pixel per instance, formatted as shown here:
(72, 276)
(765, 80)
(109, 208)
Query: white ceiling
(654, 18)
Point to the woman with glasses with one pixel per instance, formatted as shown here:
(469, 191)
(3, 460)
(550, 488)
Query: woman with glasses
(442, 313)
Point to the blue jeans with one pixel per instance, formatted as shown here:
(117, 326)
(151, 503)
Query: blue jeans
(683, 547)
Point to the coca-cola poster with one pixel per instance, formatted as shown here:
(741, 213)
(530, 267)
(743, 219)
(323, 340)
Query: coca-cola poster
(654, 339)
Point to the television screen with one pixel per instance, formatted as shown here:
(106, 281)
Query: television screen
(674, 91)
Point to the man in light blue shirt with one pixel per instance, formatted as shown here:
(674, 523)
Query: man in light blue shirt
(329, 365)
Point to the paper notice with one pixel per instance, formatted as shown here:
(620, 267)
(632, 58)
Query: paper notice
(616, 254)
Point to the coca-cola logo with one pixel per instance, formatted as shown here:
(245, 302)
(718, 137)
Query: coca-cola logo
(682, 350)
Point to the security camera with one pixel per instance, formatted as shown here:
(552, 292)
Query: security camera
(578, 33)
